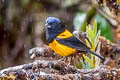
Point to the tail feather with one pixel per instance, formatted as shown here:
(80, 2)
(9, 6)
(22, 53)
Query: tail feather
(101, 57)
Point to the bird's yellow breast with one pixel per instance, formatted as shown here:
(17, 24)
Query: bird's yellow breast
(60, 48)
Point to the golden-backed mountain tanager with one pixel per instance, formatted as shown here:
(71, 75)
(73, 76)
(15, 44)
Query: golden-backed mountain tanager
(62, 41)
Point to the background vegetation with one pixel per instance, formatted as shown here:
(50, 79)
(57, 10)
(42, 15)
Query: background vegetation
(22, 23)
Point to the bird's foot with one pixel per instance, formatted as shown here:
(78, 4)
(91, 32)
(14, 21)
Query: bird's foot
(66, 58)
(70, 60)
(62, 59)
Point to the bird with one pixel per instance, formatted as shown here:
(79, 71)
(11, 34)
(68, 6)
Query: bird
(62, 41)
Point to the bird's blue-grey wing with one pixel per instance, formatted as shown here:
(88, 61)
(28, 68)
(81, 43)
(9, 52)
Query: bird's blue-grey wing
(73, 42)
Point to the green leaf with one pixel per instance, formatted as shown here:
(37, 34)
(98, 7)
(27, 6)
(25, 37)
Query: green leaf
(95, 27)
(105, 28)
(89, 61)
(97, 37)
(87, 43)
(90, 34)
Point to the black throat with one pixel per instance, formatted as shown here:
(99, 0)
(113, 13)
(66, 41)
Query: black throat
(51, 35)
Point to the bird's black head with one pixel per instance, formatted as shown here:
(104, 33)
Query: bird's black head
(53, 28)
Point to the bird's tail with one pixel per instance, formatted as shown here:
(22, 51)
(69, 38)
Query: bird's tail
(101, 57)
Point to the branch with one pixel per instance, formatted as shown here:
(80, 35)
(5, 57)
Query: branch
(57, 70)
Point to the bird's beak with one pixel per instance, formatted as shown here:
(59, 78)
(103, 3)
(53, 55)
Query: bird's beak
(47, 25)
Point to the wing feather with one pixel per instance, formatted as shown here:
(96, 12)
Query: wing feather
(73, 42)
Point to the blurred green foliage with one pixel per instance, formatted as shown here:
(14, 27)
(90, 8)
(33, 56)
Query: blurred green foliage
(105, 28)
(81, 19)
(68, 3)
